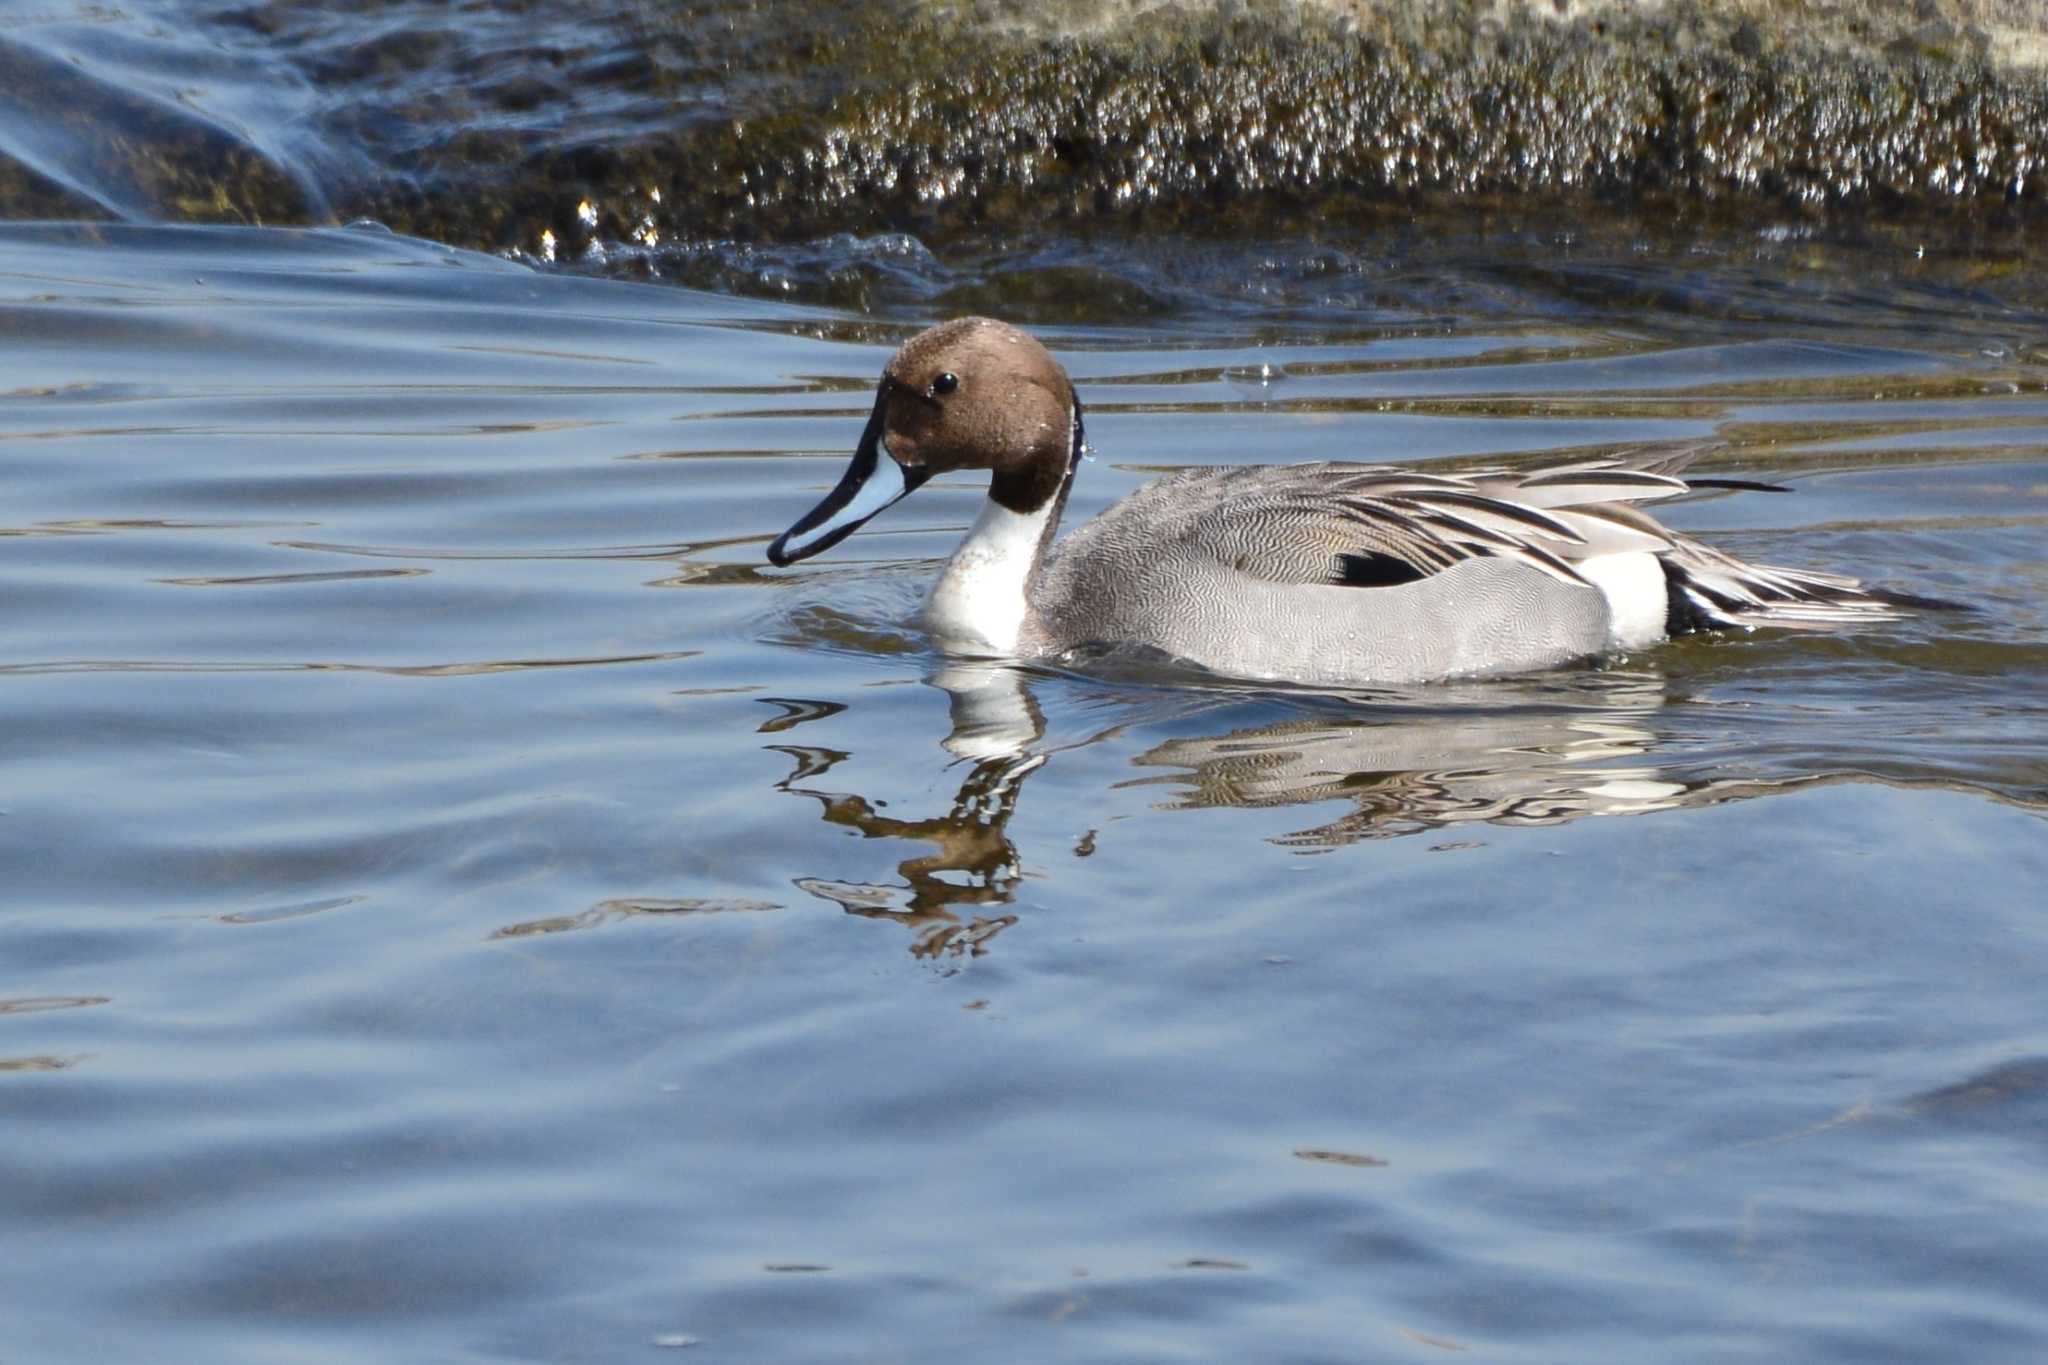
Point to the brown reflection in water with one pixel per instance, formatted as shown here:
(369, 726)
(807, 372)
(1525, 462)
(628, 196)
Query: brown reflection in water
(973, 864)
(970, 842)
(1333, 1157)
(43, 1063)
(37, 1004)
(97, 526)
(270, 580)
(608, 911)
(273, 914)
(795, 713)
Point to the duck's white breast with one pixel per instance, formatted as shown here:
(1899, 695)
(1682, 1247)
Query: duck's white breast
(978, 605)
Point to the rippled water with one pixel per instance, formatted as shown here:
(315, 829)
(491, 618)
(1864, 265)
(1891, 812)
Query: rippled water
(461, 904)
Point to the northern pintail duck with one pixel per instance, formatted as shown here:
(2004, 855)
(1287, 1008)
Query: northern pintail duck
(1324, 573)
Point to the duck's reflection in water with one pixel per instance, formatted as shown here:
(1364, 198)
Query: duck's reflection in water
(996, 723)
(1521, 753)
(1491, 754)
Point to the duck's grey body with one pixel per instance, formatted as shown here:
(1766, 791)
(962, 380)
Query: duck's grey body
(1161, 569)
(1324, 573)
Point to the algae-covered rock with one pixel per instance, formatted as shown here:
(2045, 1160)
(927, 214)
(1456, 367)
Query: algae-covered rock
(651, 124)
(78, 140)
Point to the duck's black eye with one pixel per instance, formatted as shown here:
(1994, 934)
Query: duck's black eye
(946, 382)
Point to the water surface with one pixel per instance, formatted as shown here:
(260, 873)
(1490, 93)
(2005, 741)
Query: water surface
(463, 905)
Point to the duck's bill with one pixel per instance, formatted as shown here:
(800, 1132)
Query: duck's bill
(872, 482)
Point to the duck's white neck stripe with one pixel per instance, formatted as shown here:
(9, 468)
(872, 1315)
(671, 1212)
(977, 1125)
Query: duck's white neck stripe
(979, 604)
(982, 598)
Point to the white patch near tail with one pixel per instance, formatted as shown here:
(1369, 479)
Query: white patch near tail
(1636, 596)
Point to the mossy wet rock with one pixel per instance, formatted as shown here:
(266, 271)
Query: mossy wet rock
(1212, 120)
(76, 143)
(653, 122)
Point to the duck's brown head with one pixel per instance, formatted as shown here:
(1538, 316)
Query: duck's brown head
(972, 393)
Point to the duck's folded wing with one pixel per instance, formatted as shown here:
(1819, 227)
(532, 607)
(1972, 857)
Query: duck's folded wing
(1368, 528)
(1375, 526)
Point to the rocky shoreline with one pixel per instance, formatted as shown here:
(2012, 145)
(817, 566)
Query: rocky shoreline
(650, 124)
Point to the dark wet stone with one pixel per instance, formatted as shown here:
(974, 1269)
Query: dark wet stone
(1222, 122)
(78, 143)
(648, 125)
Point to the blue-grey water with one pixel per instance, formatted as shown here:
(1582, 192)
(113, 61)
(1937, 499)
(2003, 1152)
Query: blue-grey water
(457, 903)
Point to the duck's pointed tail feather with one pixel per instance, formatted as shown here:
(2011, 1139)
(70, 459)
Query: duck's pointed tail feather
(1710, 590)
